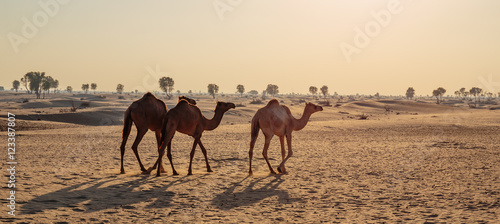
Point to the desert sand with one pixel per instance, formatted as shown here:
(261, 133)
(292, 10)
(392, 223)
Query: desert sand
(418, 162)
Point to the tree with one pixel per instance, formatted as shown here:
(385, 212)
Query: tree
(489, 94)
(376, 95)
(441, 90)
(438, 93)
(253, 92)
(457, 93)
(462, 91)
(47, 83)
(475, 91)
(25, 82)
(241, 89)
(69, 89)
(272, 89)
(93, 86)
(119, 88)
(213, 89)
(410, 92)
(33, 81)
(167, 86)
(55, 84)
(324, 91)
(313, 90)
(15, 84)
(85, 87)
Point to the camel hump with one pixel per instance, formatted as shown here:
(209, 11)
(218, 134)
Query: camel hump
(182, 102)
(273, 102)
(149, 94)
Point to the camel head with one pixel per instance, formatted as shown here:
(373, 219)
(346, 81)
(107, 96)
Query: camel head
(189, 100)
(223, 106)
(310, 107)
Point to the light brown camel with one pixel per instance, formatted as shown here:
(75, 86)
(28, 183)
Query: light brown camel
(276, 119)
(146, 113)
(188, 119)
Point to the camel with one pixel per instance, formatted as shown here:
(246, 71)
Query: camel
(188, 119)
(146, 113)
(276, 119)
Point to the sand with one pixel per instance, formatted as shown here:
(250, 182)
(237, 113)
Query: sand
(418, 162)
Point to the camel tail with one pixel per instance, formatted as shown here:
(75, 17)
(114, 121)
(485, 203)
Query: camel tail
(254, 131)
(127, 125)
(163, 132)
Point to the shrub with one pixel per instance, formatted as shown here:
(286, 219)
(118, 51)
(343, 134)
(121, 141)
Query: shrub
(256, 101)
(84, 104)
(363, 116)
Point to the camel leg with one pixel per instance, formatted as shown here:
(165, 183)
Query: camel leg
(204, 151)
(250, 153)
(264, 151)
(138, 138)
(122, 149)
(169, 155)
(167, 141)
(158, 141)
(282, 142)
(290, 152)
(192, 155)
(161, 152)
(126, 132)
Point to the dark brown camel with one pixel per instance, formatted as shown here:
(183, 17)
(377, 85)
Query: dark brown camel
(188, 119)
(276, 119)
(146, 113)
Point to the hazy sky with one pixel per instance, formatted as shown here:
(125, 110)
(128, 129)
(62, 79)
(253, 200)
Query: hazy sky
(352, 46)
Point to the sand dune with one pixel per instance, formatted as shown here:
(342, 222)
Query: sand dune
(429, 163)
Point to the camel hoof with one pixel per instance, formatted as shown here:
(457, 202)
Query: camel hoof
(122, 172)
(175, 173)
(210, 170)
(250, 173)
(189, 173)
(282, 171)
(273, 172)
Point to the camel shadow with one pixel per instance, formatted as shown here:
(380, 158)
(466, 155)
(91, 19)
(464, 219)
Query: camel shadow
(253, 192)
(101, 194)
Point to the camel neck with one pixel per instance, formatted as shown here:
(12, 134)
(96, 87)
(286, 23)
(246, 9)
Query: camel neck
(215, 121)
(300, 123)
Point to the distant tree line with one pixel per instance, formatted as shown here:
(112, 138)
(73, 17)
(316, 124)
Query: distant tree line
(37, 83)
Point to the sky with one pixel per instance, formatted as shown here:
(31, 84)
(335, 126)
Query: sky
(363, 46)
